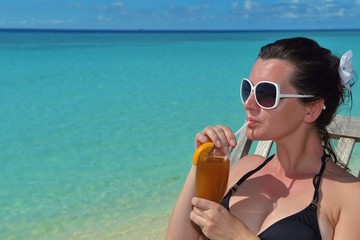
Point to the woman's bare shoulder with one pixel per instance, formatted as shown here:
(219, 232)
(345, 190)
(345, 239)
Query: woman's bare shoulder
(244, 165)
(339, 175)
(250, 161)
(341, 193)
(341, 184)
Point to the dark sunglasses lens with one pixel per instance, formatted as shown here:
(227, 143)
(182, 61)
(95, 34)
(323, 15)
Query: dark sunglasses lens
(245, 90)
(266, 94)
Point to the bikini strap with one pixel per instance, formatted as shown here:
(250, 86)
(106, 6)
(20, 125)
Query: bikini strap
(317, 180)
(226, 199)
(247, 175)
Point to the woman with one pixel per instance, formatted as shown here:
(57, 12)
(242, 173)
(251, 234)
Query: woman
(302, 192)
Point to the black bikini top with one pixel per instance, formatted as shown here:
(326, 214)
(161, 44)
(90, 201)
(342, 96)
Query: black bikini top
(302, 225)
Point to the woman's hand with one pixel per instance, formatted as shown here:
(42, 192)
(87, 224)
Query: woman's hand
(216, 222)
(222, 136)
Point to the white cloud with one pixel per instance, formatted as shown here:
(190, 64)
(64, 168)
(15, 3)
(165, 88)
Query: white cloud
(341, 12)
(101, 8)
(247, 5)
(41, 22)
(54, 21)
(74, 5)
(118, 4)
(199, 7)
(191, 13)
(119, 8)
(235, 5)
(290, 15)
(101, 18)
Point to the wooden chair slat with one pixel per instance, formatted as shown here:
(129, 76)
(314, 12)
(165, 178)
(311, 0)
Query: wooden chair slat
(344, 149)
(345, 126)
(263, 148)
(242, 148)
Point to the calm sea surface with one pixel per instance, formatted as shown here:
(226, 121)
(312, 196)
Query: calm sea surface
(97, 129)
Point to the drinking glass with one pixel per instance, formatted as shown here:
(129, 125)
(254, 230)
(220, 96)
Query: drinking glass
(212, 173)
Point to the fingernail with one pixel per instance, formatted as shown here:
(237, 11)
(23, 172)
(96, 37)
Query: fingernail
(218, 143)
(225, 150)
(233, 142)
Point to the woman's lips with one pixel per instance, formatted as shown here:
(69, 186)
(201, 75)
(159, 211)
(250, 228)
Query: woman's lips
(251, 122)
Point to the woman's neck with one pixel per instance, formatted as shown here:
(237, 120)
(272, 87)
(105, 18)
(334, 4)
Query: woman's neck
(298, 154)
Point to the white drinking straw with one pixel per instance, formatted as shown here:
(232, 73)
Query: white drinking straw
(242, 128)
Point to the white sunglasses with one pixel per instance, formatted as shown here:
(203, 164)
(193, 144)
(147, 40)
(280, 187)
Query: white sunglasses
(267, 94)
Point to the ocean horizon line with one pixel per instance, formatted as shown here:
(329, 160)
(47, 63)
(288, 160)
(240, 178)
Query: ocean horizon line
(70, 30)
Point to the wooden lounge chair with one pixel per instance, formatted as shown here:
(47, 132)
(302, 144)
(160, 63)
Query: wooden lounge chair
(344, 130)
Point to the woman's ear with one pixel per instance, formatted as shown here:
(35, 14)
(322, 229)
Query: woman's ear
(313, 110)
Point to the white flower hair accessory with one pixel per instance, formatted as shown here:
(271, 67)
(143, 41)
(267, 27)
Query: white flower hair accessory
(346, 69)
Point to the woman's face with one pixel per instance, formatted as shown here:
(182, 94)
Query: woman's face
(286, 118)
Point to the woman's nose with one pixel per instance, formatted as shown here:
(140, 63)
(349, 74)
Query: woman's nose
(251, 103)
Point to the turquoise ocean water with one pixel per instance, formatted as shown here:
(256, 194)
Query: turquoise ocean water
(97, 128)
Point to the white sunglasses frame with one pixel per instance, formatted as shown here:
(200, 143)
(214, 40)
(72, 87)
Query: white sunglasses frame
(278, 94)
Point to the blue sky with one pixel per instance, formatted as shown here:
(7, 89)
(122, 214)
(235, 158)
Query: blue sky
(180, 14)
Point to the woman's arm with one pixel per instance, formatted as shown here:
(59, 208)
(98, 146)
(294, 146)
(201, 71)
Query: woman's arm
(347, 226)
(180, 226)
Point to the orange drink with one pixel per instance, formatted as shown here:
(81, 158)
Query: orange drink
(212, 173)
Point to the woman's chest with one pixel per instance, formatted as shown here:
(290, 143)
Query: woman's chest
(263, 200)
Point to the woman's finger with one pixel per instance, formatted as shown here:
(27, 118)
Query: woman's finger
(202, 204)
(212, 133)
(221, 135)
(230, 136)
(201, 138)
(197, 216)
